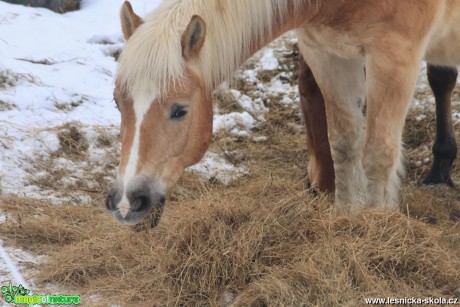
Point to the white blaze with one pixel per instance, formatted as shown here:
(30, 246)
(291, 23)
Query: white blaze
(141, 107)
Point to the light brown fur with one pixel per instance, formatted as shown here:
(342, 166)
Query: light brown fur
(339, 39)
(176, 148)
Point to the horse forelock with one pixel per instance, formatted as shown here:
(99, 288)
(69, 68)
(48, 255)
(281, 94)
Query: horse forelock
(152, 59)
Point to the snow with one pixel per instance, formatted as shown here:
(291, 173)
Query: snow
(214, 166)
(268, 60)
(11, 262)
(61, 70)
(239, 124)
(61, 73)
(255, 107)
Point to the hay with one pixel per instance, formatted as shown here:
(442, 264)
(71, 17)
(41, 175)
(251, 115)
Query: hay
(72, 141)
(246, 246)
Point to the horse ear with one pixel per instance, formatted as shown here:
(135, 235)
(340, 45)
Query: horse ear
(193, 37)
(129, 20)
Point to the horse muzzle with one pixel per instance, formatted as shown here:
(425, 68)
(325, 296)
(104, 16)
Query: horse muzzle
(131, 203)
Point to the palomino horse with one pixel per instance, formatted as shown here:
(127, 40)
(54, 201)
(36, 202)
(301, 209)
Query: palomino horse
(174, 59)
(321, 169)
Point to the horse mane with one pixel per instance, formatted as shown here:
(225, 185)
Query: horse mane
(152, 58)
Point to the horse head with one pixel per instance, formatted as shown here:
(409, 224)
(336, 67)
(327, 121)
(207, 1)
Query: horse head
(166, 114)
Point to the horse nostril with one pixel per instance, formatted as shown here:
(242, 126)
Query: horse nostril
(109, 202)
(141, 203)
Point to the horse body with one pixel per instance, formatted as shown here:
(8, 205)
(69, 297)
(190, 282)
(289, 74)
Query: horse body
(443, 49)
(389, 40)
(173, 60)
(444, 46)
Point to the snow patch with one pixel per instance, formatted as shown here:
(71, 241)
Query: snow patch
(255, 107)
(215, 166)
(239, 124)
(268, 60)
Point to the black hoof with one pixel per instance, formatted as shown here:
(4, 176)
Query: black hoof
(438, 180)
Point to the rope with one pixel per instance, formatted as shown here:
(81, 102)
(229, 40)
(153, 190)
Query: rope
(17, 276)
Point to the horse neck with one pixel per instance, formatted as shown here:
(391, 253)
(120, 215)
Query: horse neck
(242, 28)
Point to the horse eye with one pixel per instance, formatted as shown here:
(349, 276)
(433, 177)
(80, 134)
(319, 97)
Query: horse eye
(178, 111)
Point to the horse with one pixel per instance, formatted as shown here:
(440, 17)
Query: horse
(174, 59)
(442, 81)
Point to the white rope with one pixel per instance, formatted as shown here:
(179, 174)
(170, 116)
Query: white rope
(17, 276)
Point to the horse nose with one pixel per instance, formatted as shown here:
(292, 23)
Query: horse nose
(140, 203)
(109, 202)
(130, 204)
(113, 198)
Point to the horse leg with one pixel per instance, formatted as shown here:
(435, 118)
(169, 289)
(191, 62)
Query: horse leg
(442, 81)
(320, 166)
(342, 83)
(390, 81)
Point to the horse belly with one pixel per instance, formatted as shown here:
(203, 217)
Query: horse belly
(444, 45)
(445, 52)
(330, 40)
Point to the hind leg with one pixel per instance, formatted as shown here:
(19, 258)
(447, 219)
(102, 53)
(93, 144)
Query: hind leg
(442, 81)
(321, 166)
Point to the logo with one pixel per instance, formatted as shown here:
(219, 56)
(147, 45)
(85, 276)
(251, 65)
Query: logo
(10, 292)
(21, 296)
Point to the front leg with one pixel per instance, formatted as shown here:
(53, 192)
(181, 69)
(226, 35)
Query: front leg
(342, 83)
(391, 80)
(320, 166)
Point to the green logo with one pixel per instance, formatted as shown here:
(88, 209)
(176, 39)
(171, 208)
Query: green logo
(20, 296)
(10, 292)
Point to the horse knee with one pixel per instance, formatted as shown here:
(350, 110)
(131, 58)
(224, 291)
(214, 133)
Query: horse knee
(345, 149)
(378, 160)
(383, 168)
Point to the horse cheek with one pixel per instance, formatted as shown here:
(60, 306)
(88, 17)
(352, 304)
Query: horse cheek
(201, 133)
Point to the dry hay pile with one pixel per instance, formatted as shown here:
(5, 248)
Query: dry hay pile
(249, 246)
(262, 241)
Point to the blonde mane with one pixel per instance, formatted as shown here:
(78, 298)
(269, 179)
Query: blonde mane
(152, 58)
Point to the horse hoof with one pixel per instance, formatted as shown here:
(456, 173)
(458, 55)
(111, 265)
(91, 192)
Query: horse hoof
(313, 189)
(438, 181)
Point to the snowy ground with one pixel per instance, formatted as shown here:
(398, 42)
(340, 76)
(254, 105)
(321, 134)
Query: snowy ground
(56, 72)
(56, 69)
